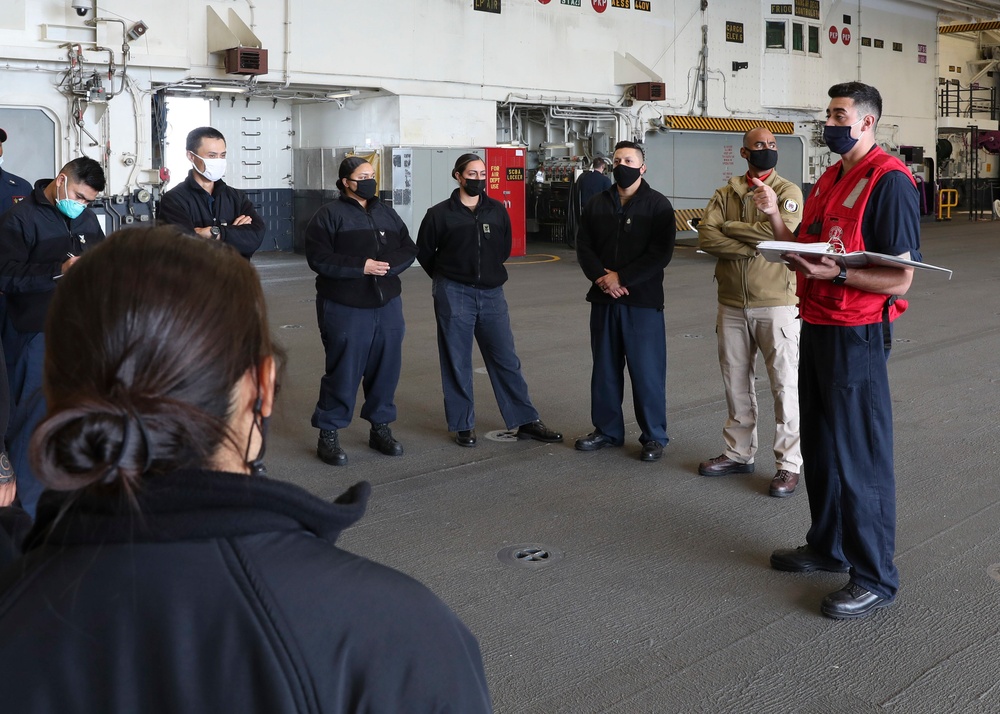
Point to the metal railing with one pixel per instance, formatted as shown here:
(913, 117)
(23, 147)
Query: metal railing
(955, 100)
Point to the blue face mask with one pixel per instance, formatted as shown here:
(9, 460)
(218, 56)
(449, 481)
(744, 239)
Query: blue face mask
(68, 207)
(839, 138)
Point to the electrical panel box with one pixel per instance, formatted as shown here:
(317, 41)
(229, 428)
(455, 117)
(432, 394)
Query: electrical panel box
(246, 60)
(421, 177)
(505, 167)
(651, 91)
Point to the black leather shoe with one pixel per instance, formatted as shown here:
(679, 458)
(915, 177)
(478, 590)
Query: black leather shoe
(651, 451)
(380, 438)
(539, 432)
(805, 560)
(852, 602)
(466, 437)
(594, 441)
(328, 448)
(722, 465)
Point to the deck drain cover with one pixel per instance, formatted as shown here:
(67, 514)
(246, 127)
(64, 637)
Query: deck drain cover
(308, 300)
(532, 556)
(693, 337)
(291, 327)
(994, 571)
(502, 435)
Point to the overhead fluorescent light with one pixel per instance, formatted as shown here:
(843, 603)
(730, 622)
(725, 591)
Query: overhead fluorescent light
(226, 89)
(344, 94)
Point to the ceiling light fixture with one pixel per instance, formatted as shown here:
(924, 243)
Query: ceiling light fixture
(226, 89)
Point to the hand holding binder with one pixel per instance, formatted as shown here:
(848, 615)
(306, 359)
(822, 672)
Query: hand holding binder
(773, 250)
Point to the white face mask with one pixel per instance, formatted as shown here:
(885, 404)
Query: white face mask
(215, 169)
(1, 161)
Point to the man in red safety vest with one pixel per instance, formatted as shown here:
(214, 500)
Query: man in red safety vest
(866, 201)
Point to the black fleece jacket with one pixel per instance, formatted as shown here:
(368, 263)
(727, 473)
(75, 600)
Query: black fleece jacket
(342, 236)
(222, 593)
(635, 240)
(189, 206)
(465, 245)
(35, 240)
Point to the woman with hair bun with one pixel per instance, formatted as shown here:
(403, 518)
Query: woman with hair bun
(462, 245)
(358, 246)
(164, 573)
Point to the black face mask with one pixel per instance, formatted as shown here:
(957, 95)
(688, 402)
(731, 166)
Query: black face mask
(625, 176)
(365, 189)
(763, 159)
(474, 187)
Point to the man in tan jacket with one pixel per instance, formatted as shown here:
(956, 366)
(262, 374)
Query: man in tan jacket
(757, 312)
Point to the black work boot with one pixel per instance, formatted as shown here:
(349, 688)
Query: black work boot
(328, 449)
(380, 439)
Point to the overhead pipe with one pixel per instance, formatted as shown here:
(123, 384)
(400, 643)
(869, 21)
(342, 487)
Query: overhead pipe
(288, 40)
(703, 69)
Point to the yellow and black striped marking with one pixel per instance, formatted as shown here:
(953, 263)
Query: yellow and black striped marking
(731, 125)
(969, 27)
(683, 215)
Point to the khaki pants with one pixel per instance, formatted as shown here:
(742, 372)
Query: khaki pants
(774, 331)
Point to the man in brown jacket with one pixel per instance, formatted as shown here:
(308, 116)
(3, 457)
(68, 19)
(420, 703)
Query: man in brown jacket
(757, 311)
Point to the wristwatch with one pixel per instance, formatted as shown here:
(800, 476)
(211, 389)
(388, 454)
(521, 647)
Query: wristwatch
(215, 231)
(840, 279)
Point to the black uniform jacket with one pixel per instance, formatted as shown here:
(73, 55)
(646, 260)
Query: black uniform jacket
(189, 206)
(342, 236)
(13, 189)
(467, 246)
(635, 240)
(222, 593)
(35, 240)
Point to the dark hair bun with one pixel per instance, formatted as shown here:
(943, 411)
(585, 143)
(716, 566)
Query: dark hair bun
(91, 443)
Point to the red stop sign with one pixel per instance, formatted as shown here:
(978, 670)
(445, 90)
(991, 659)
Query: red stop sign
(834, 35)
(845, 36)
(599, 5)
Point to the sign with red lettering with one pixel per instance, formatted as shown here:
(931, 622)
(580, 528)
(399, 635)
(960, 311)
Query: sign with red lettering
(599, 5)
(834, 34)
(845, 36)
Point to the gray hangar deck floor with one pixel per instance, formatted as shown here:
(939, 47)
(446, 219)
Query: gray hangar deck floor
(657, 595)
